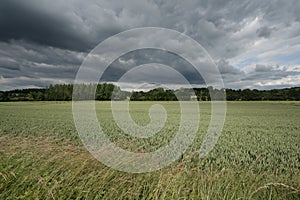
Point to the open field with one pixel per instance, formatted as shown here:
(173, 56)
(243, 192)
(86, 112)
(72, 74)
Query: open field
(256, 157)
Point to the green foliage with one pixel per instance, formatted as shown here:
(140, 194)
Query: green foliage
(256, 157)
(157, 94)
(108, 91)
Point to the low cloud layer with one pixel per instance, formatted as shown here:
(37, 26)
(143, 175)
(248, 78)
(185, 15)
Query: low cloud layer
(255, 44)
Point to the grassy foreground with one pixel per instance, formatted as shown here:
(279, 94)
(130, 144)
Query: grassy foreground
(256, 157)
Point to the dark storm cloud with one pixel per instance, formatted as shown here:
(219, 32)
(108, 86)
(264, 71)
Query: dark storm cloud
(23, 63)
(20, 20)
(9, 64)
(45, 41)
(130, 60)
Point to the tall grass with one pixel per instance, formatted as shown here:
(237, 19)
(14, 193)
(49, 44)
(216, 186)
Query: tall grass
(257, 156)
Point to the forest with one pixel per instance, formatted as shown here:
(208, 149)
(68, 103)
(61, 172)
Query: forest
(108, 91)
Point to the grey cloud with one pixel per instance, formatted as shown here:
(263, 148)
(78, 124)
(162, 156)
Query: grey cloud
(80, 26)
(20, 20)
(49, 39)
(23, 63)
(226, 68)
(9, 63)
(268, 73)
(46, 23)
(260, 76)
(230, 74)
(145, 56)
(263, 68)
(25, 82)
(264, 32)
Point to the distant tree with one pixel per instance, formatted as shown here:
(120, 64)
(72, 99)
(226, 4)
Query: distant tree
(105, 91)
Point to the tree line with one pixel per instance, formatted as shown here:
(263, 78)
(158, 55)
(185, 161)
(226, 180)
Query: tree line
(108, 91)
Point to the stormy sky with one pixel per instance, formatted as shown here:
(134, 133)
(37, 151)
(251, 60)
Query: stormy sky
(254, 43)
